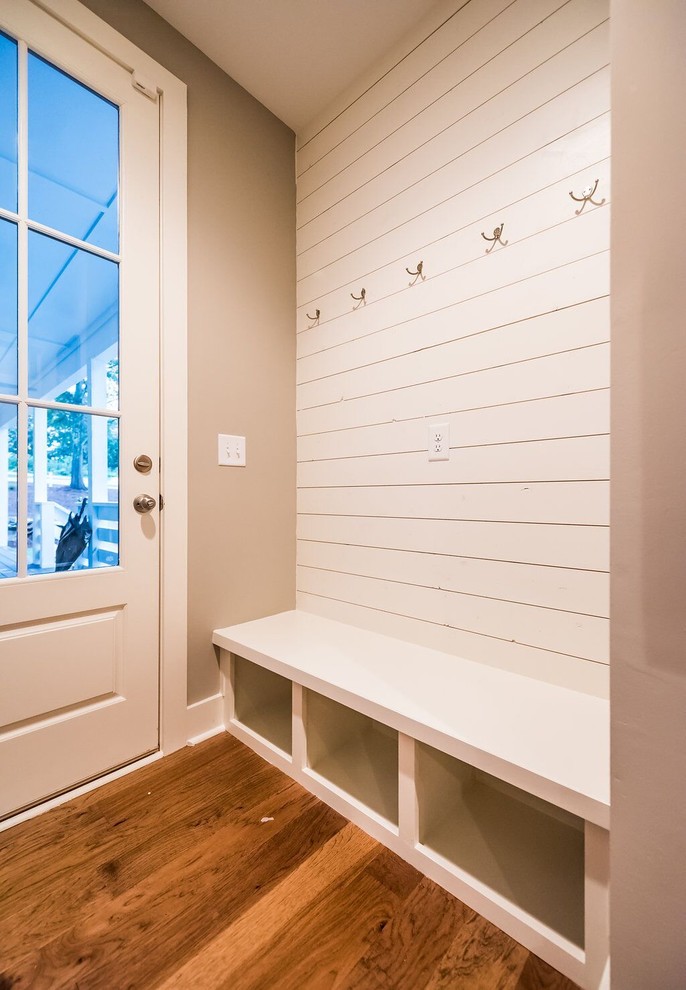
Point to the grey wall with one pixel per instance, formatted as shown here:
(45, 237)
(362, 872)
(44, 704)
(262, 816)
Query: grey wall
(648, 566)
(241, 354)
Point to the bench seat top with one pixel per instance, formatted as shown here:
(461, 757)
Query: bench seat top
(549, 740)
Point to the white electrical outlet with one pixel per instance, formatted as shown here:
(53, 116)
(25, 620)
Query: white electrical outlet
(439, 441)
(231, 450)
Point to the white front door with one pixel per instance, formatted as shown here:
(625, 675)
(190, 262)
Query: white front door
(79, 402)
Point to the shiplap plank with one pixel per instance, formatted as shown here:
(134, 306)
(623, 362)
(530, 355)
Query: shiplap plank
(478, 145)
(534, 215)
(579, 370)
(586, 592)
(581, 286)
(574, 459)
(555, 668)
(510, 50)
(446, 207)
(568, 502)
(571, 547)
(433, 175)
(418, 57)
(587, 413)
(449, 89)
(570, 160)
(551, 333)
(563, 245)
(548, 629)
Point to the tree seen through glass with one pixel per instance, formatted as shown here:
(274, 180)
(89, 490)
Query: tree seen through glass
(67, 445)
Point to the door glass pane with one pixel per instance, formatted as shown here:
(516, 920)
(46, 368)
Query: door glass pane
(73, 491)
(73, 324)
(73, 157)
(8, 490)
(8, 307)
(8, 123)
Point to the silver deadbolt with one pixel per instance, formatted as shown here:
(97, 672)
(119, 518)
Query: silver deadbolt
(143, 463)
(144, 503)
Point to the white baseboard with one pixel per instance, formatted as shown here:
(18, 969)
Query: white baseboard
(204, 719)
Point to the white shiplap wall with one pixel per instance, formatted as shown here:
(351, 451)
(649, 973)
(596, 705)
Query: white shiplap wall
(491, 113)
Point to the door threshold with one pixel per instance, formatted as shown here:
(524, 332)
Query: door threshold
(55, 802)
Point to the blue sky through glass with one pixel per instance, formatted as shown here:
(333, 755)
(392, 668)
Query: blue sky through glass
(8, 123)
(8, 307)
(73, 157)
(73, 314)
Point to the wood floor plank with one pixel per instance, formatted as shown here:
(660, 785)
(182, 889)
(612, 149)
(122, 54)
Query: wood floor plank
(95, 882)
(168, 773)
(182, 907)
(26, 923)
(186, 829)
(142, 834)
(394, 873)
(412, 945)
(78, 825)
(330, 937)
(142, 805)
(212, 869)
(481, 957)
(28, 862)
(242, 947)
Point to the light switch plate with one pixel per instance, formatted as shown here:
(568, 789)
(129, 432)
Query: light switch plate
(231, 450)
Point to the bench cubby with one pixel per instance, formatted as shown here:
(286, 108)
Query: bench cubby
(493, 784)
(263, 703)
(354, 753)
(526, 850)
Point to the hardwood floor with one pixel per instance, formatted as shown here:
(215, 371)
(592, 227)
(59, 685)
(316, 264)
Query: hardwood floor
(211, 869)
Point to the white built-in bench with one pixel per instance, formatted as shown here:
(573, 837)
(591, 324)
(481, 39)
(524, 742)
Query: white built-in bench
(494, 784)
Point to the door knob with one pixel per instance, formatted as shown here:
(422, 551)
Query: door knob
(144, 503)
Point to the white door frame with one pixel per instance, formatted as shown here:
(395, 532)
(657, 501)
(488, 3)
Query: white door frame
(173, 356)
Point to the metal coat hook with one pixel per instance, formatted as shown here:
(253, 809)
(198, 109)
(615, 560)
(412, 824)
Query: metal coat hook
(586, 196)
(315, 318)
(496, 239)
(420, 269)
(361, 298)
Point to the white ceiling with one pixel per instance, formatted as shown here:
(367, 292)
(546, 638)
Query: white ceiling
(294, 56)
